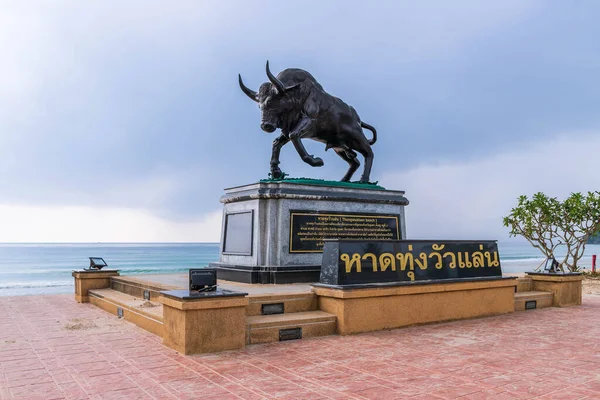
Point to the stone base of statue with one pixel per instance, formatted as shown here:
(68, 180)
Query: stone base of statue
(274, 231)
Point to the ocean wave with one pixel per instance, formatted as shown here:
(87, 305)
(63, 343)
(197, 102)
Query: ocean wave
(110, 245)
(31, 271)
(130, 270)
(33, 285)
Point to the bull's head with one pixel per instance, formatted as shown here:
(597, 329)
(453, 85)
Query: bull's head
(273, 99)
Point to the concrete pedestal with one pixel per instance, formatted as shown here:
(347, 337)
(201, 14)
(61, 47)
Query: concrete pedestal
(204, 324)
(380, 306)
(566, 287)
(89, 280)
(262, 222)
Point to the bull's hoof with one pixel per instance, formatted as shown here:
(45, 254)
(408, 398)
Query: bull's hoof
(313, 161)
(317, 162)
(277, 174)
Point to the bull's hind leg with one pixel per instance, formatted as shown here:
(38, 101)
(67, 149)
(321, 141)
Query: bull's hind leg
(358, 142)
(368, 155)
(351, 158)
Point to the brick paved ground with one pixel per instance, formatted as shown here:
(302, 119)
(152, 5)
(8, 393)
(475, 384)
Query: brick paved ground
(53, 348)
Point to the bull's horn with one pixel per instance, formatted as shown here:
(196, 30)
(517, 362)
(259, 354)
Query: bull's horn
(278, 84)
(249, 92)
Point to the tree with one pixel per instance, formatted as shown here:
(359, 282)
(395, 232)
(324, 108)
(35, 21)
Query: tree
(548, 223)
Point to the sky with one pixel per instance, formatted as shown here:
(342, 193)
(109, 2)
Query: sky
(123, 121)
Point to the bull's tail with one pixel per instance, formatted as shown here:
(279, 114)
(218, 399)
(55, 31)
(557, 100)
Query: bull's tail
(369, 127)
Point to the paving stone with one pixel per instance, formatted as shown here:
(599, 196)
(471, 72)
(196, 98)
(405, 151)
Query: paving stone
(546, 354)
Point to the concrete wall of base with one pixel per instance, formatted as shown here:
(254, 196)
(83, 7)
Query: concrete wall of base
(566, 288)
(372, 309)
(204, 326)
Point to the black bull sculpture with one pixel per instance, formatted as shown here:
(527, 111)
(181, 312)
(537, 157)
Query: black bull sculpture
(297, 104)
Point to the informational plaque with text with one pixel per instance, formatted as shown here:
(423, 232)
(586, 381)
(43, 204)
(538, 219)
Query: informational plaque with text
(309, 229)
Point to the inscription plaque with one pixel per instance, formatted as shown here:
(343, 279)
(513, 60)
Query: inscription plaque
(309, 229)
(360, 262)
(237, 238)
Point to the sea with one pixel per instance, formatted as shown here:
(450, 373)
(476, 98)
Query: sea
(45, 268)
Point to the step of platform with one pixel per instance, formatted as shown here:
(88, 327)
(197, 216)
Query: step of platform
(524, 284)
(281, 303)
(264, 299)
(139, 288)
(297, 325)
(533, 300)
(131, 308)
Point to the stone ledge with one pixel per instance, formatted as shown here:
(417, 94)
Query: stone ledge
(105, 273)
(91, 279)
(409, 288)
(285, 190)
(203, 304)
(572, 277)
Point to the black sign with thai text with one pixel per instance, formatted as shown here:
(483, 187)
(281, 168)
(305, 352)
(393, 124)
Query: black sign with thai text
(356, 262)
(310, 229)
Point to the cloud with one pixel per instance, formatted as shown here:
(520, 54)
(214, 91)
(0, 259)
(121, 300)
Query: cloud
(90, 92)
(467, 200)
(86, 224)
(135, 106)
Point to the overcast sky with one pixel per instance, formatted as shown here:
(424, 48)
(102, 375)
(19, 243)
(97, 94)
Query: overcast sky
(123, 121)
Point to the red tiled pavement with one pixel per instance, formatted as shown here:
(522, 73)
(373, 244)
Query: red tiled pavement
(548, 354)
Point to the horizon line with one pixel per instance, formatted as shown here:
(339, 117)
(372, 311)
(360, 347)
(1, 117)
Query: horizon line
(109, 242)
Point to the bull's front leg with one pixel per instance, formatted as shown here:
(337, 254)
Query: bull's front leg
(303, 128)
(278, 143)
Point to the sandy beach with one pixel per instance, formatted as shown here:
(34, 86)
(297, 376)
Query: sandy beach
(591, 286)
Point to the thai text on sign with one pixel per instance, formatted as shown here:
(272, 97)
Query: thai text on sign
(358, 262)
(310, 229)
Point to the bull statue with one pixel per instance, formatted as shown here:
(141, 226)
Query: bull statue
(296, 103)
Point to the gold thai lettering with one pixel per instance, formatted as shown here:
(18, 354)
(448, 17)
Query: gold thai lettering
(404, 260)
(464, 263)
(351, 261)
(461, 263)
(452, 256)
(423, 256)
(422, 263)
(437, 248)
(409, 261)
(386, 260)
(478, 260)
(411, 275)
(373, 260)
(491, 263)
